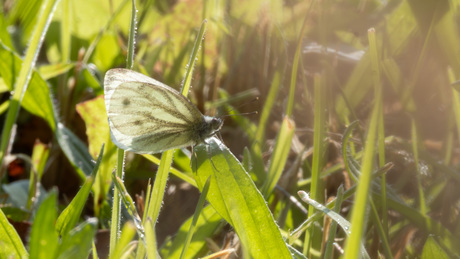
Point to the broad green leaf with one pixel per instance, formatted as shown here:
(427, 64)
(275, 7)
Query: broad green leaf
(77, 244)
(107, 52)
(37, 97)
(75, 150)
(89, 16)
(43, 235)
(50, 71)
(25, 13)
(235, 197)
(12, 246)
(431, 249)
(5, 37)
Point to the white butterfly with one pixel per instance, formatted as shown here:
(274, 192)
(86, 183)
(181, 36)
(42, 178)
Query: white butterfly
(147, 116)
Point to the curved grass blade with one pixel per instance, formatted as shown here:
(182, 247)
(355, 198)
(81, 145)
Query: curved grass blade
(345, 224)
(69, 217)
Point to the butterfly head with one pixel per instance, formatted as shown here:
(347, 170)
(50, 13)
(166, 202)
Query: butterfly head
(214, 124)
(210, 127)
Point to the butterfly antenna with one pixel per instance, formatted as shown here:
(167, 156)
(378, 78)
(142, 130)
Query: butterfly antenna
(240, 114)
(244, 104)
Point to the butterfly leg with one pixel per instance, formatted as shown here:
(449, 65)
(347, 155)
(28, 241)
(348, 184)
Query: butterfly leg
(210, 157)
(194, 157)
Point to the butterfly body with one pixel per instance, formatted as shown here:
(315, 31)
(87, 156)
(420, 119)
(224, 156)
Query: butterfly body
(147, 116)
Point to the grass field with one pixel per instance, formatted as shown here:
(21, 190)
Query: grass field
(340, 137)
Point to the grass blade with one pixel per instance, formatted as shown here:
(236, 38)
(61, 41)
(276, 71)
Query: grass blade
(47, 11)
(70, 216)
(199, 208)
(279, 155)
(358, 216)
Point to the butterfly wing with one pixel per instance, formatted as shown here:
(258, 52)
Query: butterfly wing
(146, 116)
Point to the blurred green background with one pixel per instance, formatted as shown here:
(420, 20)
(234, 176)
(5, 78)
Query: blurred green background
(274, 50)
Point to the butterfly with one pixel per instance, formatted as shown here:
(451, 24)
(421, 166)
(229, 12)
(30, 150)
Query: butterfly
(147, 117)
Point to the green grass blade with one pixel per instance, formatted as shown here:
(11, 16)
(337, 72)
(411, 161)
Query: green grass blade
(358, 216)
(157, 194)
(455, 103)
(279, 155)
(205, 227)
(150, 239)
(47, 11)
(312, 237)
(192, 61)
(12, 246)
(235, 197)
(419, 173)
(132, 35)
(186, 177)
(256, 149)
(199, 208)
(39, 158)
(316, 216)
(333, 228)
(124, 245)
(129, 204)
(332, 214)
(346, 156)
(71, 214)
(424, 222)
(295, 68)
(382, 232)
(115, 223)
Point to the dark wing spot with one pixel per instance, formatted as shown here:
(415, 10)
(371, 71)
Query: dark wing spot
(126, 102)
(138, 123)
